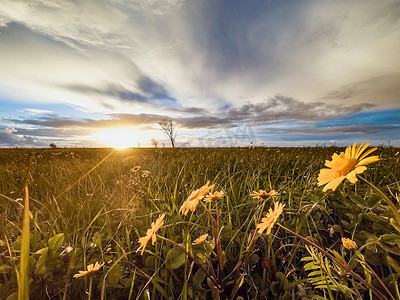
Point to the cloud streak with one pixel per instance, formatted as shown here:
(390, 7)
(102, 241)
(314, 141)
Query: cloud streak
(278, 109)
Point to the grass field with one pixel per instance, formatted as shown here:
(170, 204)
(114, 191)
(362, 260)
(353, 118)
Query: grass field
(88, 206)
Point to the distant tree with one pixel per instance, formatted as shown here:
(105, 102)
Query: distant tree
(154, 142)
(52, 145)
(169, 128)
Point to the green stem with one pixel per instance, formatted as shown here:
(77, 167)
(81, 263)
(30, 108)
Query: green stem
(218, 244)
(362, 258)
(240, 263)
(392, 207)
(23, 282)
(215, 235)
(90, 287)
(338, 262)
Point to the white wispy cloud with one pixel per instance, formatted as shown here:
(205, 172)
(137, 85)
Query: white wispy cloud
(38, 111)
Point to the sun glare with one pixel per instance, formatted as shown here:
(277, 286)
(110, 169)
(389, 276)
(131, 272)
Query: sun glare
(120, 138)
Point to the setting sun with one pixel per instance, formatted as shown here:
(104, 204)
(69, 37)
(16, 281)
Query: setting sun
(122, 137)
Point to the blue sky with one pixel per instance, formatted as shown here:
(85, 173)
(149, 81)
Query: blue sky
(290, 73)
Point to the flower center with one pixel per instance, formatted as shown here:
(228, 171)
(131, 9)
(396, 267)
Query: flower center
(345, 166)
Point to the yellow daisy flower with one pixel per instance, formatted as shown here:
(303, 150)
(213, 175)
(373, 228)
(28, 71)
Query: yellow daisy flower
(264, 195)
(212, 197)
(151, 233)
(200, 239)
(91, 270)
(194, 198)
(349, 244)
(135, 169)
(269, 221)
(145, 174)
(346, 166)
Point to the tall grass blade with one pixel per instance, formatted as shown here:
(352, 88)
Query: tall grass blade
(23, 279)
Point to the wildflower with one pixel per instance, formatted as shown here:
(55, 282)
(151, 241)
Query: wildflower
(91, 270)
(264, 195)
(212, 197)
(194, 198)
(269, 221)
(200, 239)
(349, 244)
(151, 233)
(145, 174)
(346, 165)
(108, 249)
(135, 169)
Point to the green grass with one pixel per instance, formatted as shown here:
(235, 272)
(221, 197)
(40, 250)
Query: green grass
(89, 199)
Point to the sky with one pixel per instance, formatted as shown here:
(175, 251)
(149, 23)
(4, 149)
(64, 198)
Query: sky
(229, 73)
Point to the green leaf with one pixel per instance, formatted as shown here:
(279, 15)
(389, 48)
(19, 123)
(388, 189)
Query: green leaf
(5, 269)
(43, 250)
(393, 264)
(114, 274)
(311, 266)
(155, 281)
(392, 239)
(214, 290)
(150, 262)
(146, 294)
(175, 258)
(337, 255)
(283, 280)
(391, 249)
(394, 224)
(360, 201)
(198, 278)
(253, 259)
(223, 259)
(238, 284)
(56, 241)
(13, 296)
(41, 263)
(307, 258)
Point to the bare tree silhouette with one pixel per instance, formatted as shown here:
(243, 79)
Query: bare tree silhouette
(169, 128)
(154, 142)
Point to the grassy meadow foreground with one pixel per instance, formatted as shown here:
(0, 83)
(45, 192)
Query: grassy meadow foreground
(224, 223)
